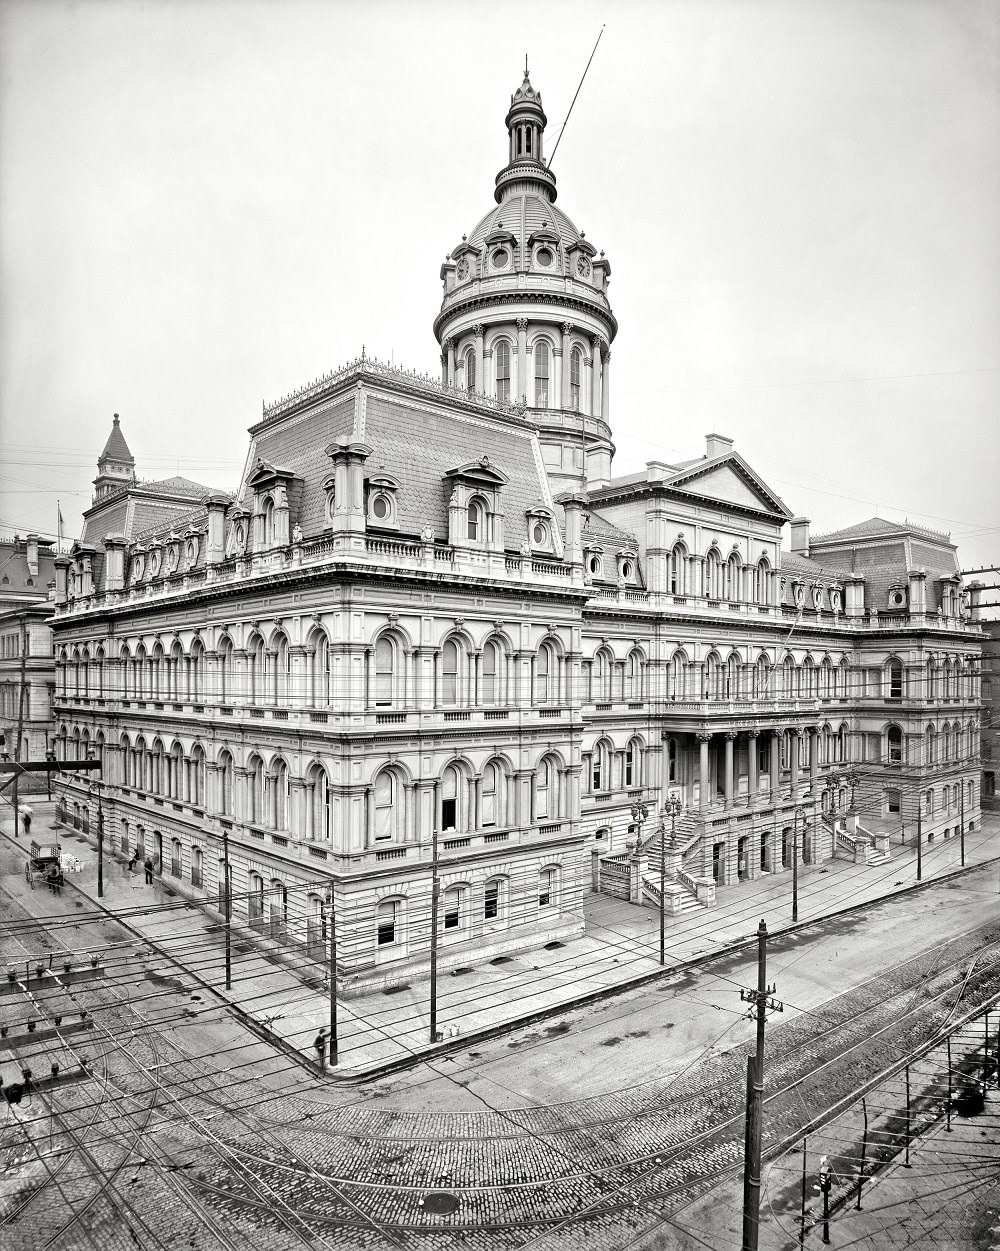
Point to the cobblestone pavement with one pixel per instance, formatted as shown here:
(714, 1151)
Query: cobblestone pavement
(271, 1163)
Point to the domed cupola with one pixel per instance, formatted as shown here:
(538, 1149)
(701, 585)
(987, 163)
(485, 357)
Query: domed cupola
(525, 317)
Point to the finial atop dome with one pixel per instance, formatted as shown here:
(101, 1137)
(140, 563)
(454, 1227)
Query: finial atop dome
(525, 122)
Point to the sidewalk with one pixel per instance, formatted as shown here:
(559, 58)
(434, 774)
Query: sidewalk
(383, 1031)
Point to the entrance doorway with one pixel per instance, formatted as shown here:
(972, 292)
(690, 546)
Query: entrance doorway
(786, 847)
(743, 858)
(765, 853)
(718, 863)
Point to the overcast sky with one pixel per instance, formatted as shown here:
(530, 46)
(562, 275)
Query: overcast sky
(207, 203)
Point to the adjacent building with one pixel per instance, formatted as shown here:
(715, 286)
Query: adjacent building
(27, 668)
(434, 643)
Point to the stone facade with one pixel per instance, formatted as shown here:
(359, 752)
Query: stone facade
(434, 643)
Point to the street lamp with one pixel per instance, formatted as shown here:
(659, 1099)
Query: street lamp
(799, 812)
(330, 902)
(94, 789)
(671, 807)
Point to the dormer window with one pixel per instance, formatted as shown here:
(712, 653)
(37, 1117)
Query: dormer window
(500, 258)
(544, 257)
(382, 509)
(594, 561)
(474, 516)
(539, 534)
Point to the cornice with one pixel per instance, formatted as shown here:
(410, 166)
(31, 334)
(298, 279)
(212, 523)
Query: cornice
(488, 300)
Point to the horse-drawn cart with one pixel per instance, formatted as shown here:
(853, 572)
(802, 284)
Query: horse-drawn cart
(43, 859)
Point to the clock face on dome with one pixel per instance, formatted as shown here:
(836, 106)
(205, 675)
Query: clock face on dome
(583, 267)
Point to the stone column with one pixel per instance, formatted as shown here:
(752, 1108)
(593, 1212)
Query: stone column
(775, 762)
(606, 387)
(522, 360)
(478, 330)
(449, 345)
(595, 375)
(753, 770)
(703, 742)
(813, 761)
(796, 740)
(567, 329)
(730, 738)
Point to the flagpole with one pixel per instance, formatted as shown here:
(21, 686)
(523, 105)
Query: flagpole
(59, 536)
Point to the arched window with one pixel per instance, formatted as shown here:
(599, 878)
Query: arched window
(452, 794)
(541, 374)
(733, 588)
(255, 900)
(678, 675)
(678, 570)
(733, 678)
(267, 527)
(255, 790)
(493, 795)
(603, 664)
(761, 582)
(255, 671)
(317, 804)
(225, 774)
(224, 651)
(930, 746)
(789, 685)
(450, 672)
(470, 370)
(176, 854)
(197, 867)
(278, 779)
(895, 679)
(713, 575)
(175, 772)
(633, 676)
(385, 671)
(501, 354)
(600, 767)
(633, 763)
(282, 665)
(156, 672)
(712, 686)
(320, 664)
(196, 777)
(490, 689)
(575, 363)
(195, 672)
(388, 807)
(546, 675)
(546, 790)
(475, 517)
(894, 739)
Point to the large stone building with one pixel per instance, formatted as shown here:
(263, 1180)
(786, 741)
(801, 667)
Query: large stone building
(27, 669)
(433, 636)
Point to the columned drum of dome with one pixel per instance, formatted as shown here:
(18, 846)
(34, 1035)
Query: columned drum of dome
(525, 315)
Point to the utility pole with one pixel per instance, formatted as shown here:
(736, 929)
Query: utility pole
(799, 811)
(23, 639)
(97, 786)
(961, 805)
(435, 893)
(673, 806)
(760, 1000)
(920, 839)
(333, 974)
(228, 907)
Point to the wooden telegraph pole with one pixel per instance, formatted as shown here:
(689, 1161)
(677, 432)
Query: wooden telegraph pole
(760, 999)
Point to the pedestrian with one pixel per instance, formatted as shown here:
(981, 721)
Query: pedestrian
(51, 878)
(60, 880)
(135, 857)
(147, 864)
(320, 1044)
(26, 818)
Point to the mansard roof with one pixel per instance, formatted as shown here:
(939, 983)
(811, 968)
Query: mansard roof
(879, 527)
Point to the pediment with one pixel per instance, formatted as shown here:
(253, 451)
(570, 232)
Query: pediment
(482, 471)
(264, 473)
(730, 481)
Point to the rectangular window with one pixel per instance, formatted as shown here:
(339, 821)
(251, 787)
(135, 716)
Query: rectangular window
(491, 904)
(449, 814)
(386, 924)
(451, 911)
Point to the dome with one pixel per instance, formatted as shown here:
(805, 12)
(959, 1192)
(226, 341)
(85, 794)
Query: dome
(526, 215)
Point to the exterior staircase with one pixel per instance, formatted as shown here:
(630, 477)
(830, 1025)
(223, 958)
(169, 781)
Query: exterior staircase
(861, 844)
(680, 885)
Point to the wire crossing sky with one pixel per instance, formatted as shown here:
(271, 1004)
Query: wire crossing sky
(205, 206)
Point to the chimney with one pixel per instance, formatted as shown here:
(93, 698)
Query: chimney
(32, 541)
(114, 562)
(62, 564)
(717, 445)
(215, 545)
(573, 506)
(800, 536)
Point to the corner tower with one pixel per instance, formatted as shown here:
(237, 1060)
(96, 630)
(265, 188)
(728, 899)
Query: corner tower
(525, 316)
(115, 465)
